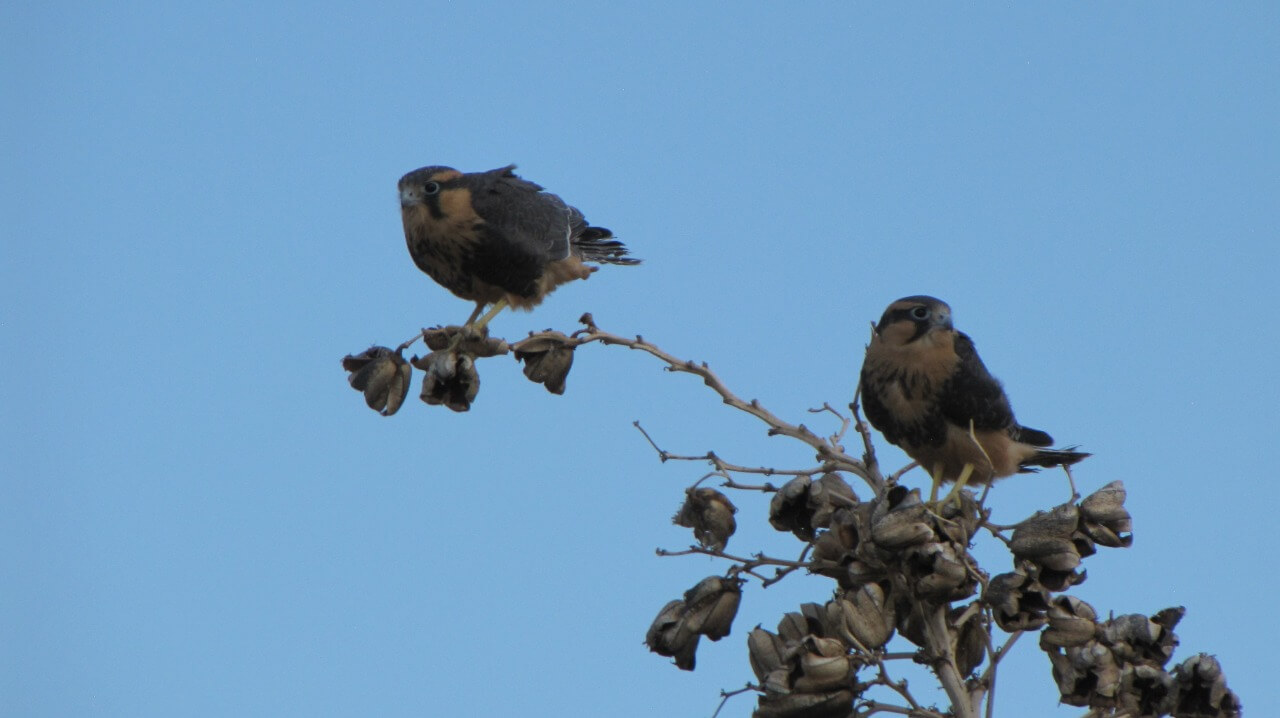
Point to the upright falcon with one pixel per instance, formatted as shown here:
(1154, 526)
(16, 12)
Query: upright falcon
(925, 388)
(496, 239)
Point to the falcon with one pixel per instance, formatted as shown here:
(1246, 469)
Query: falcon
(496, 239)
(925, 388)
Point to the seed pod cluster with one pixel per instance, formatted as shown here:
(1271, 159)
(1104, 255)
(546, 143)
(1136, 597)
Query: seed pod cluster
(707, 609)
(1118, 664)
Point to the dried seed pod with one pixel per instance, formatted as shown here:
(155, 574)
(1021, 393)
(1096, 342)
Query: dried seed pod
(1134, 638)
(901, 520)
(766, 651)
(938, 573)
(833, 704)
(819, 673)
(802, 506)
(669, 636)
(810, 620)
(827, 495)
(789, 508)
(1072, 622)
(476, 343)
(1046, 539)
(711, 605)
(971, 641)
(710, 514)
(1017, 600)
(793, 627)
(547, 358)
(1086, 675)
(959, 520)
(382, 374)
(1103, 517)
(1202, 690)
(1146, 690)
(863, 616)
(451, 379)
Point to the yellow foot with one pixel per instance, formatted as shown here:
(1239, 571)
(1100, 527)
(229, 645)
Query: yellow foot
(960, 482)
(498, 306)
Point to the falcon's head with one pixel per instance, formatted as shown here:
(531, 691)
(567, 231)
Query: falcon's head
(911, 318)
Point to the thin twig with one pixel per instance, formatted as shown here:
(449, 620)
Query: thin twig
(409, 342)
(766, 487)
(759, 560)
(726, 695)
(825, 450)
(722, 465)
(837, 437)
(895, 476)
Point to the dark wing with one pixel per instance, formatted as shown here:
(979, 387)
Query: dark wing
(522, 213)
(972, 394)
(524, 229)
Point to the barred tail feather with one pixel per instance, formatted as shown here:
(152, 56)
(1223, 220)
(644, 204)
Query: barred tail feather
(1049, 458)
(596, 244)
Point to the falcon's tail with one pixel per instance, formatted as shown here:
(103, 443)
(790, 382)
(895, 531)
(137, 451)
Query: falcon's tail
(596, 244)
(1048, 458)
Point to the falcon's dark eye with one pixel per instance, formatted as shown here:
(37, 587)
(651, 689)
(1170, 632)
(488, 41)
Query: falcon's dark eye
(920, 312)
(431, 187)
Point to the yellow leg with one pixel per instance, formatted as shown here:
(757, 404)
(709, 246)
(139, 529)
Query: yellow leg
(965, 473)
(473, 325)
(936, 478)
(498, 306)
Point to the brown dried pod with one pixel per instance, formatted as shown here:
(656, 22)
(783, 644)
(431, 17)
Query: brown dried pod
(476, 343)
(1146, 690)
(833, 704)
(1086, 675)
(1104, 518)
(711, 605)
(766, 651)
(547, 358)
(958, 520)
(864, 616)
(451, 379)
(1072, 622)
(710, 514)
(669, 636)
(810, 620)
(938, 573)
(818, 673)
(829, 555)
(1202, 690)
(848, 524)
(1135, 638)
(802, 505)
(901, 520)
(793, 627)
(1018, 602)
(789, 508)
(971, 641)
(911, 621)
(1046, 539)
(827, 495)
(383, 375)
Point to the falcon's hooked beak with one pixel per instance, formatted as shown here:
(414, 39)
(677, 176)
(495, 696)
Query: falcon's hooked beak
(410, 196)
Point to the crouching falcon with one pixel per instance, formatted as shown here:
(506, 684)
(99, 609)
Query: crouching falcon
(925, 388)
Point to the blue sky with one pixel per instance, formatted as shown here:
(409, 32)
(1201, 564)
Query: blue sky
(200, 518)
